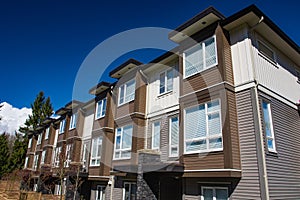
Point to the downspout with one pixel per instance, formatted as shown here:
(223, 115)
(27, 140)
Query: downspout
(260, 147)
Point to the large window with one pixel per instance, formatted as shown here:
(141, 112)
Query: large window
(35, 161)
(200, 57)
(56, 156)
(155, 135)
(47, 133)
(100, 192)
(214, 193)
(84, 157)
(40, 139)
(129, 191)
(123, 142)
(29, 143)
(62, 126)
(43, 157)
(101, 108)
(73, 121)
(173, 137)
(127, 92)
(26, 163)
(166, 81)
(202, 128)
(68, 155)
(96, 151)
(268, 124)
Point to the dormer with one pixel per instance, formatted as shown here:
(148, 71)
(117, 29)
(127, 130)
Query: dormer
(124, 68)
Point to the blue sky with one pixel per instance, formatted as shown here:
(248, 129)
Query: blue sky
(43, 43)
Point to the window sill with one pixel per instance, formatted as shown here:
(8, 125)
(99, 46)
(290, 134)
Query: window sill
(119, 159)
(100, 117)
(165, 94)
(120, 105)
(200, 72)
(70, 129)
(272, 62)
(208, 152)
(94, 166)
(272, 153)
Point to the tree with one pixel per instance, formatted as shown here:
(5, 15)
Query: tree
(4, 154)
(41, 109)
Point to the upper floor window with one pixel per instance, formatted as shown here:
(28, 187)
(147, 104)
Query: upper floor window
(200, 57)
(26, 163)
(73, 121)
(96, 151)
(155, 135)
(47, 133)
(56, 156)
(29, 143)
(268, 124)
(84, 156)
(202, 128)
(266, 51)
(101, 108)
(129, 191)
(35, 161)
(39, 141)
(214, 193)
(68, 155)
(62, 126)
(127, 92)
(173, 136)
(43, 157)
(166, 81)
(123, 141)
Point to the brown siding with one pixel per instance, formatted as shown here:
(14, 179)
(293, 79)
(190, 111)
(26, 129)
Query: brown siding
(98, 124)
(204, 161)
(249, 186)
(283, 168)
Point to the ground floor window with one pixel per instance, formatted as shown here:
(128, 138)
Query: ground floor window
(214, 193)
(129, 191)
(100, 192)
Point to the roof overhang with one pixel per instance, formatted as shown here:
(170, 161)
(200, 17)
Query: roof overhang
(62, 111)
(100, 87)
(72, 104)
(252, 16)
(124, 68)
(197, 23)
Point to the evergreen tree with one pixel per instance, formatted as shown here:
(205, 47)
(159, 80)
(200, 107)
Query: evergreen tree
(4, 154)
(17, 157)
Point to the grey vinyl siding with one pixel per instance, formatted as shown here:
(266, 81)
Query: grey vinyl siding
(283, 168)
(249, 186)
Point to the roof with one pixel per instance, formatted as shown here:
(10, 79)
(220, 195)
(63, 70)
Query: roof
(125, 67)
(100, 87)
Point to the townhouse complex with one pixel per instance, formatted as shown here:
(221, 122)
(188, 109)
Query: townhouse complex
(217, 117)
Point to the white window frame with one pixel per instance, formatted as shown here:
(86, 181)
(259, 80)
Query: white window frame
(43, 157)
(214, 191)
(121, 150)
(155, 134)
(207, 137)
(100, 192)
(62, 126)
(272, 137)
(100, 110)
(35, 161)
(68, 155)
(125, 93)
(26, 162)
(47, 133)
(170, 138)
(130, 189)
(56, 159)
(260, 42)
(39, 141)
(165, 74)
(98, 142)
(84, 153)
(73, 121)
(29, 143)
(202, 43)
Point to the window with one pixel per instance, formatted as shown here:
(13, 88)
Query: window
(47, 133)
(26, 163)
(29, 143)
(298, 76)
(40, 139)
(68, 155)
(155, 135)
(166, 81)
(100, 192)
(73, 121)
(266, 51)
(127, 92)
(200, 57)
(56, 156)
(202, 128)
(62, 126)
(96, 151)
(43, 157)
(84, 157)
(101, 108)
(213, 193)
(173, 137)
(123, 142)
(35, 161)
(268, 124)
(129, 192)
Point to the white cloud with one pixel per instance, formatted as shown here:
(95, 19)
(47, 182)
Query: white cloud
(12, 118)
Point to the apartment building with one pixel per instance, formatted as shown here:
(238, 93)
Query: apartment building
(217, 117)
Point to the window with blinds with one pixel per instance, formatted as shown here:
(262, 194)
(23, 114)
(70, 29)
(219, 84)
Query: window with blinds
(200, 57)
(127, 92)
(202, 128)
(173, 137)
(123, 141)
(155, 135)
